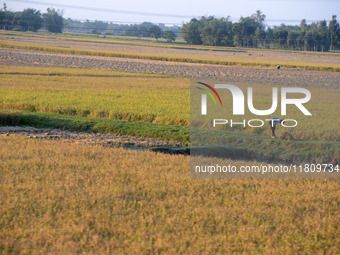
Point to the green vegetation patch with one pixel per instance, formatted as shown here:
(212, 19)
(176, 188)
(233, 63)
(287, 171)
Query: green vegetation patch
(75, 123)
(238, 145)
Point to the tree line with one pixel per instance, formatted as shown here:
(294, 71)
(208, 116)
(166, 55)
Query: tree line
(247, 32)
(145, 29)
(252, 32)
(31, 20)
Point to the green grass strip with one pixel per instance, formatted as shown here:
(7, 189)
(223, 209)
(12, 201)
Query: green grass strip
(253, 146)
(75, 123)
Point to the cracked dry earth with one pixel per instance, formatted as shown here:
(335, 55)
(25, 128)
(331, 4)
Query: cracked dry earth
(109, 140)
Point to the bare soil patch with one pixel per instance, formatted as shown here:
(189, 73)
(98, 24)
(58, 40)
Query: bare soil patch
(265, 76)
(279, 56)
(108, 140)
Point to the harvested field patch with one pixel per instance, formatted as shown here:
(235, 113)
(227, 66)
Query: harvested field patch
(166, 49)
(286, 77)
(172, 58)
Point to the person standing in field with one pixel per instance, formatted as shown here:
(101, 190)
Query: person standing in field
(273, 122)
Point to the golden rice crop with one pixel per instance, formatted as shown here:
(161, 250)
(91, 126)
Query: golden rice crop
(135, 97)
(146, 97)
(62, 198)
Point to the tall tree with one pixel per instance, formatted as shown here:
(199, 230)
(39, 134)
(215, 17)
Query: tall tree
(315, 36)
(156, 32)
(323, 34)
(334, 32)
(260, 18)
(191, 33)
(8, 19)
(54, 21)
(303, 35)
(132, 31)
(281, 35)
(244, 31)
(30, 20)
(269, 37)
(292, 39)
(259, 36)
(216, 32)
(144, 31)
(2, 19)
(170, 36)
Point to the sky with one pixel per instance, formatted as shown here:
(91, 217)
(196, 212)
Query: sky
(177, 12)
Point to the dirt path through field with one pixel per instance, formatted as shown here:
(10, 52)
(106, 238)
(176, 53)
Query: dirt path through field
(109, 140)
